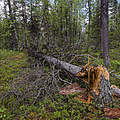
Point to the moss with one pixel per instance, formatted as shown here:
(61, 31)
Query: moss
(11, 63)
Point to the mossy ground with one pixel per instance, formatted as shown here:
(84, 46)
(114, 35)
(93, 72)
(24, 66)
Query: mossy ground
(62, 108)
(11, 63)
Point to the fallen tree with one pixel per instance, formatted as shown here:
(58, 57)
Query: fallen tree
(97, 78)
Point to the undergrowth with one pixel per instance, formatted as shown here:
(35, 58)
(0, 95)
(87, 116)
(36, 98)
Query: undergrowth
(60, 108)
(11, 63)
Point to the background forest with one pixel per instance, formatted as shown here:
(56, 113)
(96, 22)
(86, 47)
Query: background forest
(65, 29)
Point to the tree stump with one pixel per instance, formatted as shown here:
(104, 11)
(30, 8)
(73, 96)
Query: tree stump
(98, 81)
(105, 96)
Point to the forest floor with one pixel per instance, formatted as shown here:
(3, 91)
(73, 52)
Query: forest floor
(17, 106)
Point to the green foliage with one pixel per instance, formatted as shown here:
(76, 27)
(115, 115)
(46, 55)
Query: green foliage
(4, 34)
(65, 107)
(11, 63)
(61, 108)
(4, 114)
(115, 64)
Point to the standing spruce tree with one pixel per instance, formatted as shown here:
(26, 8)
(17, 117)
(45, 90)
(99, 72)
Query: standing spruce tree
(104, 32)
(114, 25)
(89, 23)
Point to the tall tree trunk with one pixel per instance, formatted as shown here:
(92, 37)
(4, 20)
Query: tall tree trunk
(24, 40)
(98, 26)
(46, 19)
(104, 32)
(15, 25)
(14, 43)
(5, 9)
(89, 10)
(31, 10)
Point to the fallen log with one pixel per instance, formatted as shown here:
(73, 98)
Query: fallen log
(96, 77)
(73, 69)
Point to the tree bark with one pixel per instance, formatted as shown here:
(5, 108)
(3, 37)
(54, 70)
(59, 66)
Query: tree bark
(105, 97)
(63, 65)
(24, 22)
(5, 9)
(89, 24)
(15, 42)
(104, 32)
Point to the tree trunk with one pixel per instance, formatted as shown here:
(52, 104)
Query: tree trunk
(5, 9)
(14, 43)
(105, 97)
(15, 25)
(89, 23)
(98, 81)
(104, 32)
(24, 22)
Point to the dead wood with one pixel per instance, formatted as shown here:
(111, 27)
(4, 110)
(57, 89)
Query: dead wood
(96, 77)
(115, 91)
(112, 112)
(99, 78)
(63, 65)
(71, 89)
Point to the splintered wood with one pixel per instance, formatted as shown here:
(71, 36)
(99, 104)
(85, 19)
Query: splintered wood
(92, 76)
(97, 78)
